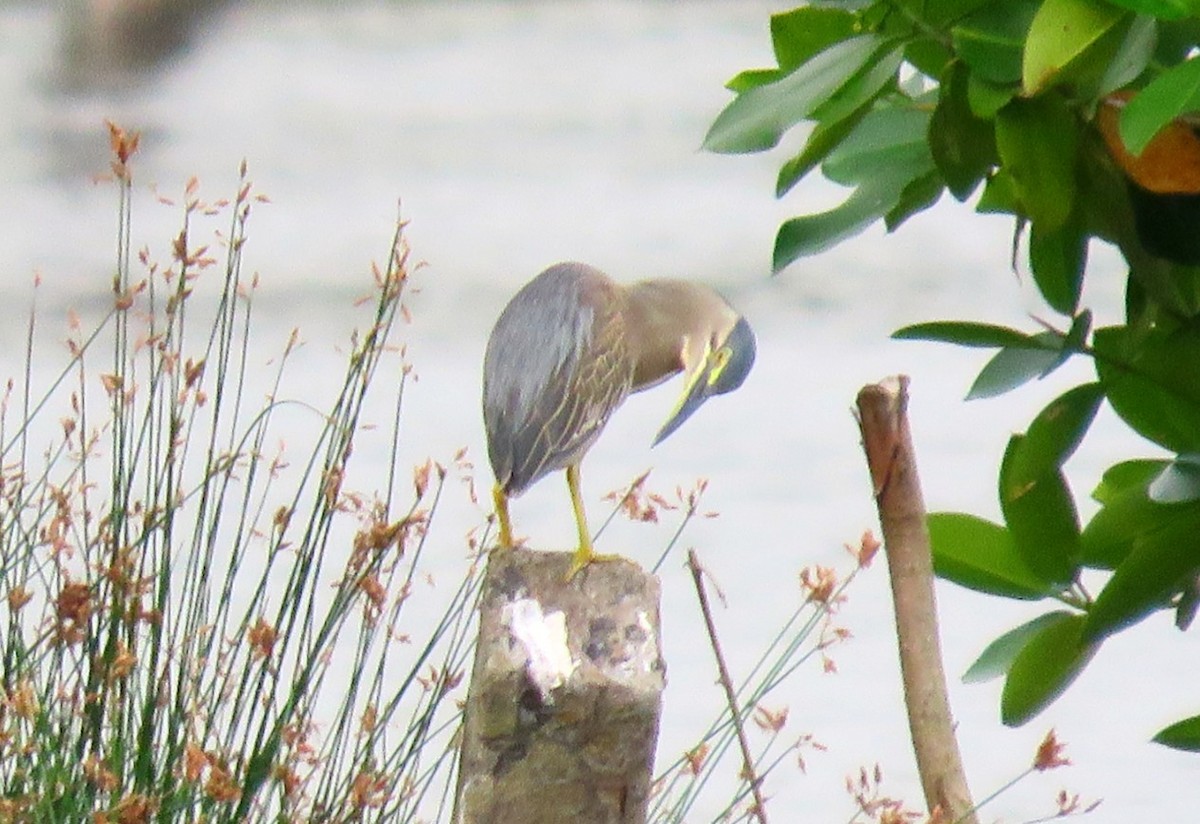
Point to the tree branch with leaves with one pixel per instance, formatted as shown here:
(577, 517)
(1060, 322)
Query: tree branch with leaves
(1079, 118)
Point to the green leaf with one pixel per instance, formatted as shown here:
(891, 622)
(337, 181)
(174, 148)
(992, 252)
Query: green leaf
(1132, 56)
(1039, 511)
(1173, 93)
(884, 154)
(991, 40)
(980, 555)
(1182, 735)
(963, 146)
(889, 140)
(821, 141)
(1013, 366)
(1076, 339)
(997, 659)
(1129, 516)
(1153, 383)
(796, 37)
(1162, 9)
(1188, 604)
(810, 234)
(966, 333)
(1058, 257)
(838, 117)
(1056, 432)
(999, 195)
(1050, 660)
(939, 13)
(1161, 560)
(1179, 481)
(752, 78)
(758, 117)
(863, 87)
(799, 35)
(928, 56)
(1176, 39)
(920, 193)
(985, 99)
(1061, 31)
(1037, 140)
(1121, 478)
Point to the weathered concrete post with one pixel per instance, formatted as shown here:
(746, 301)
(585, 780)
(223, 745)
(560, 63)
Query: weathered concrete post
(563, 708)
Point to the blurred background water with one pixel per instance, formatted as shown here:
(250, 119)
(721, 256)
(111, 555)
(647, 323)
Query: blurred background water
(515, 134)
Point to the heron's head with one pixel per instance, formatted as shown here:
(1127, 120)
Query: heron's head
(717, 365)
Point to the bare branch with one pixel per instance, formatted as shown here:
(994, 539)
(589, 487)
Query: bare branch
(760, 806)
(883, 420)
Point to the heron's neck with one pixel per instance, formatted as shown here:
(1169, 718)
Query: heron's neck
(666, 331)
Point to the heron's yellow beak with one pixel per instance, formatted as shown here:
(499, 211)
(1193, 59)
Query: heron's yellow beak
(721, 370)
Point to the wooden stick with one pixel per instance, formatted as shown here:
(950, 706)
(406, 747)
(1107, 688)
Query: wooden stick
(760, 806)
(883, 420)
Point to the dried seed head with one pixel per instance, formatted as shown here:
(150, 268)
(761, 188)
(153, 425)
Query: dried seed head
(123, 663)
(97, 773)
(123, 144)
(770, 720)
(868, 546)
(134, 809)
(74, 604)
(194, 762)
(695, 758)
(22, 700)
(1050, 754)
(288, 779)
(368, 790)
(220, 785)
(18, 597)
(818, 584)
(261, 637)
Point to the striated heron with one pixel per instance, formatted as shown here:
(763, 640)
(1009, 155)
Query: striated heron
(568, 349)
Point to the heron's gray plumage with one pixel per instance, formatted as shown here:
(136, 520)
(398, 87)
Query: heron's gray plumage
(556, 367)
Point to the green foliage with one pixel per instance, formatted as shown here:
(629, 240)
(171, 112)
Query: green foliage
(1060, 36)
(1078, 118)
(1173, 93)
(997, 659)
(761, 113)
(1050, 659)
(981, 555)
(1037, 139)
(1182, 735)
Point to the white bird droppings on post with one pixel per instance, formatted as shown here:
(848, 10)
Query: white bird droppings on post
(543, 636)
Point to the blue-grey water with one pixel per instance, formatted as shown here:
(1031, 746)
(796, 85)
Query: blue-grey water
(516, 134)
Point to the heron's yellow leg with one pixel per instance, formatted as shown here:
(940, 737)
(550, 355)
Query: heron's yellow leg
(500, 499)
(585, 554)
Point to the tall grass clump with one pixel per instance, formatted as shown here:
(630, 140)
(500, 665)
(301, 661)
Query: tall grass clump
(199, 623)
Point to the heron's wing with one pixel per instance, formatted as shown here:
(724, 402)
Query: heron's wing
(596, 382)
(558, 363)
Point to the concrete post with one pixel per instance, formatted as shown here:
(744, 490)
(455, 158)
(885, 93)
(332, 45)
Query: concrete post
(564, 703)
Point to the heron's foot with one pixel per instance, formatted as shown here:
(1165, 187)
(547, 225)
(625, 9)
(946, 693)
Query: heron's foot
(504, 540)
(585, 557)
(501, 546)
